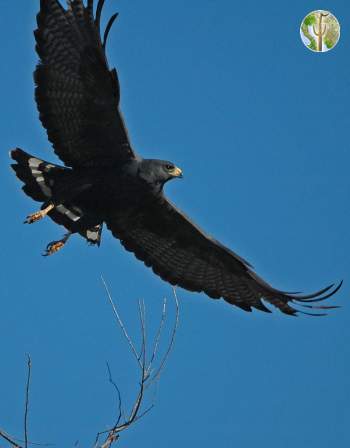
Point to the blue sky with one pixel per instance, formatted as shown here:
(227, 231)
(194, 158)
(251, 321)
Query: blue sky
(260, 126)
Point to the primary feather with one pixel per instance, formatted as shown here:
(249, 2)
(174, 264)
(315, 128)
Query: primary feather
(77, 95)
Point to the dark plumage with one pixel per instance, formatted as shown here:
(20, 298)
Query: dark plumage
(105, 181)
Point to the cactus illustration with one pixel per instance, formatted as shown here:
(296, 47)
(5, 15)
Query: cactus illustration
(322, 29)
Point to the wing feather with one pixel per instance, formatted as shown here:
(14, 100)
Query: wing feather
(182, 254)
(76, 93)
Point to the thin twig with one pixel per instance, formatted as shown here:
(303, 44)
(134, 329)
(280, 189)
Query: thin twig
(142, 315)
(38, 443)
(171, 344)
(9, 439)
(138, 417)
(158, 335)
(120, 322)
(15, 442)
(118, 394)
(137, 404)
(27, 403)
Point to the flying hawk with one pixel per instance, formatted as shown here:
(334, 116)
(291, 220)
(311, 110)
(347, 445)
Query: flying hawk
(105, 181)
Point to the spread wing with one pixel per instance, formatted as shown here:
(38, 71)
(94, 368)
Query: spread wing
(76, 93)
(180, 253)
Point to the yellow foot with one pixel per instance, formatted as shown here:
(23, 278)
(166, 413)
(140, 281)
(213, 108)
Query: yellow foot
(34, 217)
(38, 215)
(55, 246)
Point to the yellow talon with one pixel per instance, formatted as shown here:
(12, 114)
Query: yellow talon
(38, 215)
(55, 246)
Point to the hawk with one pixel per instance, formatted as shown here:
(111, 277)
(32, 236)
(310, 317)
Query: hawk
(104, 181)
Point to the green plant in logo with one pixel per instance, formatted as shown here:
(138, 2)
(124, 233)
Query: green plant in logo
(309, 20)
(320, 31)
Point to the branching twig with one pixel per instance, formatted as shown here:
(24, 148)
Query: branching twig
(146, 377)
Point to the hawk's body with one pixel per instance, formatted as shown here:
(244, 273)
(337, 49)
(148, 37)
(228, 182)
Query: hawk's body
(105, 181)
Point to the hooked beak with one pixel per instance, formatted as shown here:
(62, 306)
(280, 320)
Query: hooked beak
(177, 172)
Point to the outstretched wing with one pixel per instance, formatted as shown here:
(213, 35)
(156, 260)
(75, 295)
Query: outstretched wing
(180, 253)
(76, 93)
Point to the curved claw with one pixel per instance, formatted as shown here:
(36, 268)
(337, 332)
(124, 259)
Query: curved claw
(55, 246)
(34, 217)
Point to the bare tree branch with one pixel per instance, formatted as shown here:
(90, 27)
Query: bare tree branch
(146, 378)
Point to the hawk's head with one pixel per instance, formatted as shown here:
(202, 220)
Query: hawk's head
(158, 172)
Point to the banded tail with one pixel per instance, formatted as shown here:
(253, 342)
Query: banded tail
(37, 175)
(41, 179)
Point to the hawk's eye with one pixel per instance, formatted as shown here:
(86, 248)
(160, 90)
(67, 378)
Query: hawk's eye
(169, 167)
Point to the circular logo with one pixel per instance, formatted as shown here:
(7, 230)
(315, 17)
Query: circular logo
(320, 31)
